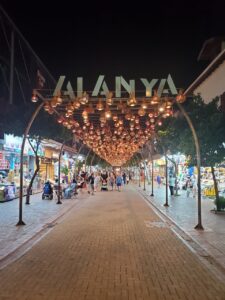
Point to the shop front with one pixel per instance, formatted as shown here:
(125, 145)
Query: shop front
(10, 166)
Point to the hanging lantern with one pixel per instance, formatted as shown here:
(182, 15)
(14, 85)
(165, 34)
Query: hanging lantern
(159, 123)
(85, 114)
(54, 102)
(136, 120)
(132, 117)
(34, 97)
(141, 112)
(168, 104)
(108, 114)
(84, 99)
(115, 118)
(155, 98)
(60, 120)
(144, 104)
(59, 99)
(100, 105)
(128, 116)
(132, 100)
(161, 108)
(76, 104)
(152, 120)
(70, 108)
(109, 100)
(65, 123)
(180, 98)
(47, 106)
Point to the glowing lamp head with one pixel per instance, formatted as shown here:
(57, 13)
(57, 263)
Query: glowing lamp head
(34, 97)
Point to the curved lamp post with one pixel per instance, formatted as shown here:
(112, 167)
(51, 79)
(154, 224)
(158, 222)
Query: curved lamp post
(166, 174)
(144, 189)
(59, 174)
(152, 194)
(198, 156)
(87, 158)
(92, 161)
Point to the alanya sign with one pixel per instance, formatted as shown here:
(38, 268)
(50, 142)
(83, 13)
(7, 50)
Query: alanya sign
(163, 86)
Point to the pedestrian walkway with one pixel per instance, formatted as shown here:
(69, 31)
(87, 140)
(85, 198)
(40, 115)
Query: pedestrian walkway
(37, 216)
(184, 210)
(114, 246)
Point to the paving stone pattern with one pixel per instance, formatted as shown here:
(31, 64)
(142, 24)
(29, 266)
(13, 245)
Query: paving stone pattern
(184, 210)
(110, 248)
(36, 216)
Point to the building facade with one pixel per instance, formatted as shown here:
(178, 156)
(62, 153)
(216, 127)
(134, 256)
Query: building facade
(211, 82)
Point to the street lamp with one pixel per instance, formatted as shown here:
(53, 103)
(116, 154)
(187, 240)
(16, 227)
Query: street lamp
(152, 194)
(144, 173)
(166, 174)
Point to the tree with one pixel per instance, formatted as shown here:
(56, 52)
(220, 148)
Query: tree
(14, 119)
(209, 123)
(35, 149)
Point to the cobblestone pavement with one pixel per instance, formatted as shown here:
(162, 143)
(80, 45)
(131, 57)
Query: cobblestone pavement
(183, 211)
(112, 247)
(37, 216)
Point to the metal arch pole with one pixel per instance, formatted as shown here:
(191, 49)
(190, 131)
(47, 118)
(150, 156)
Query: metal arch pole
(11, 68)
(81, 147)
(139, 169)
(152, 194)
(198, 156)
(87, 158)
(26, 132)
(59, 174)
(92, 161)
(135, 161)
(166, 174)
(139, 175)
(144, 189)
(136, 166)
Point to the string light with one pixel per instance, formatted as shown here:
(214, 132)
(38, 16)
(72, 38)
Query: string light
(133, 122)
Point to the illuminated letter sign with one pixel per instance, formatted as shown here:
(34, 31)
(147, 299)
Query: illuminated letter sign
(163, 86)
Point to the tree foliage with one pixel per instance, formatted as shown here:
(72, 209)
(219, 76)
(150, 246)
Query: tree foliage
(209, 123)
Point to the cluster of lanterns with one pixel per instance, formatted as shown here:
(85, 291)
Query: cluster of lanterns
(115, 129)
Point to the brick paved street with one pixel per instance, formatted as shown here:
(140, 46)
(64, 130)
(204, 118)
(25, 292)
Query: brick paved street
(183, 211)
(36, 216)
(113, 246)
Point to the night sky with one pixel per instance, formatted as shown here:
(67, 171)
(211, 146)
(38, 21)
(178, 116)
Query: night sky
(79, 38)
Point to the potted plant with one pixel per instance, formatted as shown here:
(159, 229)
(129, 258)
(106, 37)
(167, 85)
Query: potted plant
(220, 203)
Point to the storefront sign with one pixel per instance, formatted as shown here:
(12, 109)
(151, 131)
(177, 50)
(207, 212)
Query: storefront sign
(46, 160)
(163, 86)
(13, 143)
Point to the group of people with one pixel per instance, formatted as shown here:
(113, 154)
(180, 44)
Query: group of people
(101, 180)
(190, 185)
(92, 181)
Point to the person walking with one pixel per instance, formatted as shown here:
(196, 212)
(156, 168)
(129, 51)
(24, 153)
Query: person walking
(171, 184)
(96, 182)
(124, 178)
(119, 181)
(158, 179)
(91, 181)
(111, 181)
(189, 186)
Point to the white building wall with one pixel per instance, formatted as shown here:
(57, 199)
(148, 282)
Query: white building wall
(212, 86)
